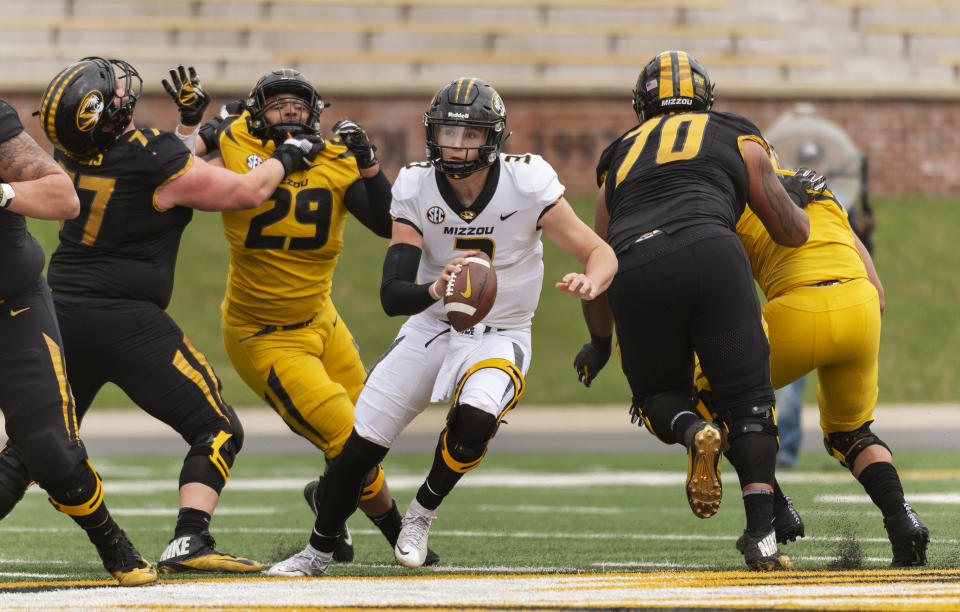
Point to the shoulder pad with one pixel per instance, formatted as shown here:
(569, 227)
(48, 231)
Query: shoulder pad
(738, 122)
(530, 173)
(606, 160)
(10, 124)
(409, 180)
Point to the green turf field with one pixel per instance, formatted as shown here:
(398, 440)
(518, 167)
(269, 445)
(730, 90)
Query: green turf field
(915, 256)
(539, 513)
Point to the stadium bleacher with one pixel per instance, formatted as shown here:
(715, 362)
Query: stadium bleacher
(557, 45)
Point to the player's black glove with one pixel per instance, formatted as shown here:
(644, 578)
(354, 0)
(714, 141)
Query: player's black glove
(355, 139)
(297, 153)
(210, 131)
(804, 186)
(186, 91)
(592, 357)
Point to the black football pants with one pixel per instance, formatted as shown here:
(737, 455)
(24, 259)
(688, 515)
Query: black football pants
(691, 291)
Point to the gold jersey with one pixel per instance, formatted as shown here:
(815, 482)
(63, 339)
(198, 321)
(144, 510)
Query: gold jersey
(829, 253)
(283, 253)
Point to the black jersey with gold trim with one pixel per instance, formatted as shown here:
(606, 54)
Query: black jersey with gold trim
(21, 254)
(674, 171)
(121, 246)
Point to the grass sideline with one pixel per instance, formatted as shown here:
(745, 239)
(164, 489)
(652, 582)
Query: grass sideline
(538, 513)
(920, 345)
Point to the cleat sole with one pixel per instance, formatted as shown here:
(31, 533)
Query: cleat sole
(704, 487)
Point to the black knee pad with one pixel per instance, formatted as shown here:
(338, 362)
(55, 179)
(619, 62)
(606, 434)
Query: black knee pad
(846, 445)
(659, 413)
(14, 479)
(79, 494)
(344, 481)
(755, 419)
(210, 458)
(464, 441)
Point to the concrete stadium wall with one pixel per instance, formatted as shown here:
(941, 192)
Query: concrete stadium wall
(913, 145)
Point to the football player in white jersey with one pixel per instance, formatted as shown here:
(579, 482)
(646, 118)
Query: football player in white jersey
(469, 197)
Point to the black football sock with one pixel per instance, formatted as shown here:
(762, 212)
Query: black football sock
(389, 523)
(103, 534)
(758, 505)
(191, 520)
(882, 483)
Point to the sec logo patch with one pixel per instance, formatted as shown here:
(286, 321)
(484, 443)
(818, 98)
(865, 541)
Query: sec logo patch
(436, 215)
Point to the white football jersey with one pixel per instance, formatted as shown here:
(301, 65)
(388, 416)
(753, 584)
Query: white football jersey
(503, 223)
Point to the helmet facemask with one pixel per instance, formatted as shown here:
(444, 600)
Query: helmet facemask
(285, 87)
(465, 115)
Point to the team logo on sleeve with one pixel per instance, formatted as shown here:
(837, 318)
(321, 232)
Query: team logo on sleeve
(253, 160)
(436, 215)
(89, 110)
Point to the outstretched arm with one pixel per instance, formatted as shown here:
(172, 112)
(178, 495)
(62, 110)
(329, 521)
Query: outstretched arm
(573, 236)
(42, 189)
(871, 269)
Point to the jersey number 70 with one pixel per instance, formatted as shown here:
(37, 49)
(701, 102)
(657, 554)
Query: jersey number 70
(680, 138)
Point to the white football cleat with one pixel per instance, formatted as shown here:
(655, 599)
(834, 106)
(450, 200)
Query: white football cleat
(411, 549)
(307, 562)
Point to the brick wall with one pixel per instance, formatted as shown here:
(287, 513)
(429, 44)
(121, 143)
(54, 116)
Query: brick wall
(913, 145)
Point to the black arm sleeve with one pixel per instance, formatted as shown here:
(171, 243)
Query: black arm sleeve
(369, 201)
(399, 292)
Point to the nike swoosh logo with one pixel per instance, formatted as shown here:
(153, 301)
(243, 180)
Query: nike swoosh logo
(403, 552)
(507, 216)
(14, 313)
(468, 292)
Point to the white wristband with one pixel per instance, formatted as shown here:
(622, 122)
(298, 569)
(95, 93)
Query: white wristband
(430, 290)
(190, 140)
(6, 194)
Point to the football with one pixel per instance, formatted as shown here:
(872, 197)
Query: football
(470, 293)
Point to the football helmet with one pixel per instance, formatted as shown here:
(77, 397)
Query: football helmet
(472, 103)
(672, 82)
(283, 80)
(80, 111)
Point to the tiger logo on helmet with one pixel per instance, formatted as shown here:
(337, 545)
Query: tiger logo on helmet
(88, 105)
(672, 82)
(89, 110)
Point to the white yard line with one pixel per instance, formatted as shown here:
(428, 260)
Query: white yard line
(837, 590)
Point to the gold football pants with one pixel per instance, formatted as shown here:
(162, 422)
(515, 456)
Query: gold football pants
(834, 329)
(309, 373)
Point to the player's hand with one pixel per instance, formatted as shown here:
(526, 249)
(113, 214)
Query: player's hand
(591, 358)
(184, 87)
(804, 186)
(297, 153)
(210, 131)
(355, 139)
(577, 285)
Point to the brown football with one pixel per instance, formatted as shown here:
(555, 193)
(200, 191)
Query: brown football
(470, 293)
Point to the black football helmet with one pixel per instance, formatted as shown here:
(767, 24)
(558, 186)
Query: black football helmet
(80, 111)
(466, 102)
(672, 82)
(283, 80)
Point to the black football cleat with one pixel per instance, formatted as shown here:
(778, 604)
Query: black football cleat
(786, 521)
(343, 549)
(124, 563)
(194, 553)
(908, 537)
(761, 553)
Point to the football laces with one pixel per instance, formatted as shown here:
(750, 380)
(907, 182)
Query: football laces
(453, 279)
